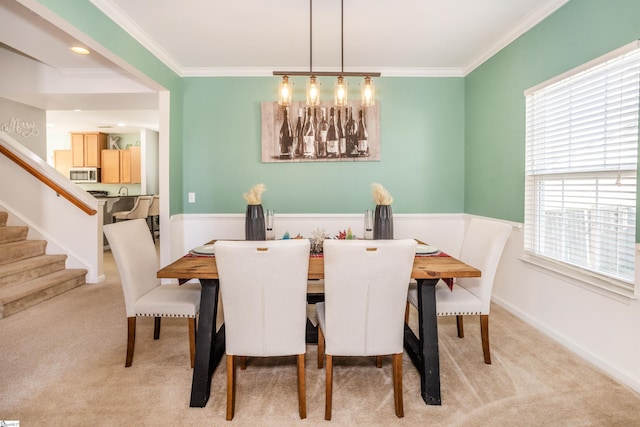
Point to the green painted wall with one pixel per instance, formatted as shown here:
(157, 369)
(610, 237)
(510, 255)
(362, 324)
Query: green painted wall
(495, 105)
(215, 139)
(448, 144)
(422, 144)
(88, 19)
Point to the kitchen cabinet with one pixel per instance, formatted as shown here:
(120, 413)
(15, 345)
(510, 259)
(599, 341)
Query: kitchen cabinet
(111, 166)
(86, 149)
(136, 165)
(62, 161)
(121, 166)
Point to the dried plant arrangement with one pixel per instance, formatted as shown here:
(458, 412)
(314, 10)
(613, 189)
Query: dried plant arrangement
(380, 195)
(254, 195)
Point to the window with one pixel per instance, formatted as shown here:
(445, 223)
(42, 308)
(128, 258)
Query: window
(581, 161)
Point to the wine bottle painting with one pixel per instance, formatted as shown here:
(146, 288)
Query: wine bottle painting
(297, 133)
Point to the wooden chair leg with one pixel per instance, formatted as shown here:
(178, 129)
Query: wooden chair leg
(320, 347)
(302, 390)
(379, 361)
(243, 362)
(329, 387)
(131, 340)
(231, 387)
(460, 325)
(156, 327)
(397, 384)
(192, 340)
(484, 331)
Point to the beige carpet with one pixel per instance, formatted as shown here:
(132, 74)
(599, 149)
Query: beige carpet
(62, 363)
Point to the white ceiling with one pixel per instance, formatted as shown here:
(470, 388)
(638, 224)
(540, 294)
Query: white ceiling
(247, 38)
(39, 69)
(394, 37)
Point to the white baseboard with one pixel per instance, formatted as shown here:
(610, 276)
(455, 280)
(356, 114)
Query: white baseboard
(570, 344)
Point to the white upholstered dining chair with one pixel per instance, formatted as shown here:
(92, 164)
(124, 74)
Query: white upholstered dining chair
(482, 247)
(140, 209)
(144, 296)
(365, 288)
(263, 285)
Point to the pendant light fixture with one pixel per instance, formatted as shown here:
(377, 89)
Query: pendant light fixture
(340, 92)
(285, 90)
(313, 92)
(367, 92)
(341, 87)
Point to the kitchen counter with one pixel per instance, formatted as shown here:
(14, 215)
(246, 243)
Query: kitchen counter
(115, 204)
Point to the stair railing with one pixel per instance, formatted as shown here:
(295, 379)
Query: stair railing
(16, 153)
(72, 224)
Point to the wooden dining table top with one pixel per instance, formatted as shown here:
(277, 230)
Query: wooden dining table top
(424, 267)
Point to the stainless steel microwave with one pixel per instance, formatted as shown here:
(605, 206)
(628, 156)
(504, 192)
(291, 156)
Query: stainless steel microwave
(84, 174)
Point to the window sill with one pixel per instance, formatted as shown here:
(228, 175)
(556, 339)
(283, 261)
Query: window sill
(611, 289)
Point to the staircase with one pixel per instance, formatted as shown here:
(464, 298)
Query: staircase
(27, 275)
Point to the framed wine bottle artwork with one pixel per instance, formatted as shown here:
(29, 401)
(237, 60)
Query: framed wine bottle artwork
(326, 133)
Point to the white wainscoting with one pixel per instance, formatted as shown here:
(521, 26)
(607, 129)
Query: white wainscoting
(189, 231)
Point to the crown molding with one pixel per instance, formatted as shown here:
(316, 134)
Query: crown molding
(530, 21)
(130, 26)
(111, 10)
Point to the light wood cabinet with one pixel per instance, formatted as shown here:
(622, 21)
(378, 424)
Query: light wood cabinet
(86, 149)
(125, 166)
(121, 166)
(136, 165)
(110, 173)
(62, 161)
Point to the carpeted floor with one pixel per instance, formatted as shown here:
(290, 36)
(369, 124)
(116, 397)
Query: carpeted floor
(62, 363)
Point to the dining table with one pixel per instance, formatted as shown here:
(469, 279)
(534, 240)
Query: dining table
(422, 349)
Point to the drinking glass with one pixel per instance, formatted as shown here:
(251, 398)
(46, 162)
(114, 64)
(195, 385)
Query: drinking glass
(368, 224)
(269, 224)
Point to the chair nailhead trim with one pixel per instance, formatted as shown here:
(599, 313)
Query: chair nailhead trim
(162, 315)
(459, 313)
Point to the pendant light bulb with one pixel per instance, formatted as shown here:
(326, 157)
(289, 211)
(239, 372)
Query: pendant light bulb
(285, 90)
(368, 92)
(313, 92)
(340, 92)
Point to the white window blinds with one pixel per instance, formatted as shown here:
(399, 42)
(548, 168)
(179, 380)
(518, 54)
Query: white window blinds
(581, 161)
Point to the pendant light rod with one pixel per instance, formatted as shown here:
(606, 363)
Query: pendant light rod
(310, 36)
(326, 73)
(342, 35)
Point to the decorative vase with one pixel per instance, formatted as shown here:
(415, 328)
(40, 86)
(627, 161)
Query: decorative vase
(383, 223)
(254, 223)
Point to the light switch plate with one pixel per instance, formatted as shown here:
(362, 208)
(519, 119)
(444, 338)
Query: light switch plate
(192, 197)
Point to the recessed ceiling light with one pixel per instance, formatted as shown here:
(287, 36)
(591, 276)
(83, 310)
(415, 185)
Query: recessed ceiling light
(81, 50)
(121, 124)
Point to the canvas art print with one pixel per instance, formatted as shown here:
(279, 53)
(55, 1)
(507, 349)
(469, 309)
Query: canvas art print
(298, 133)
